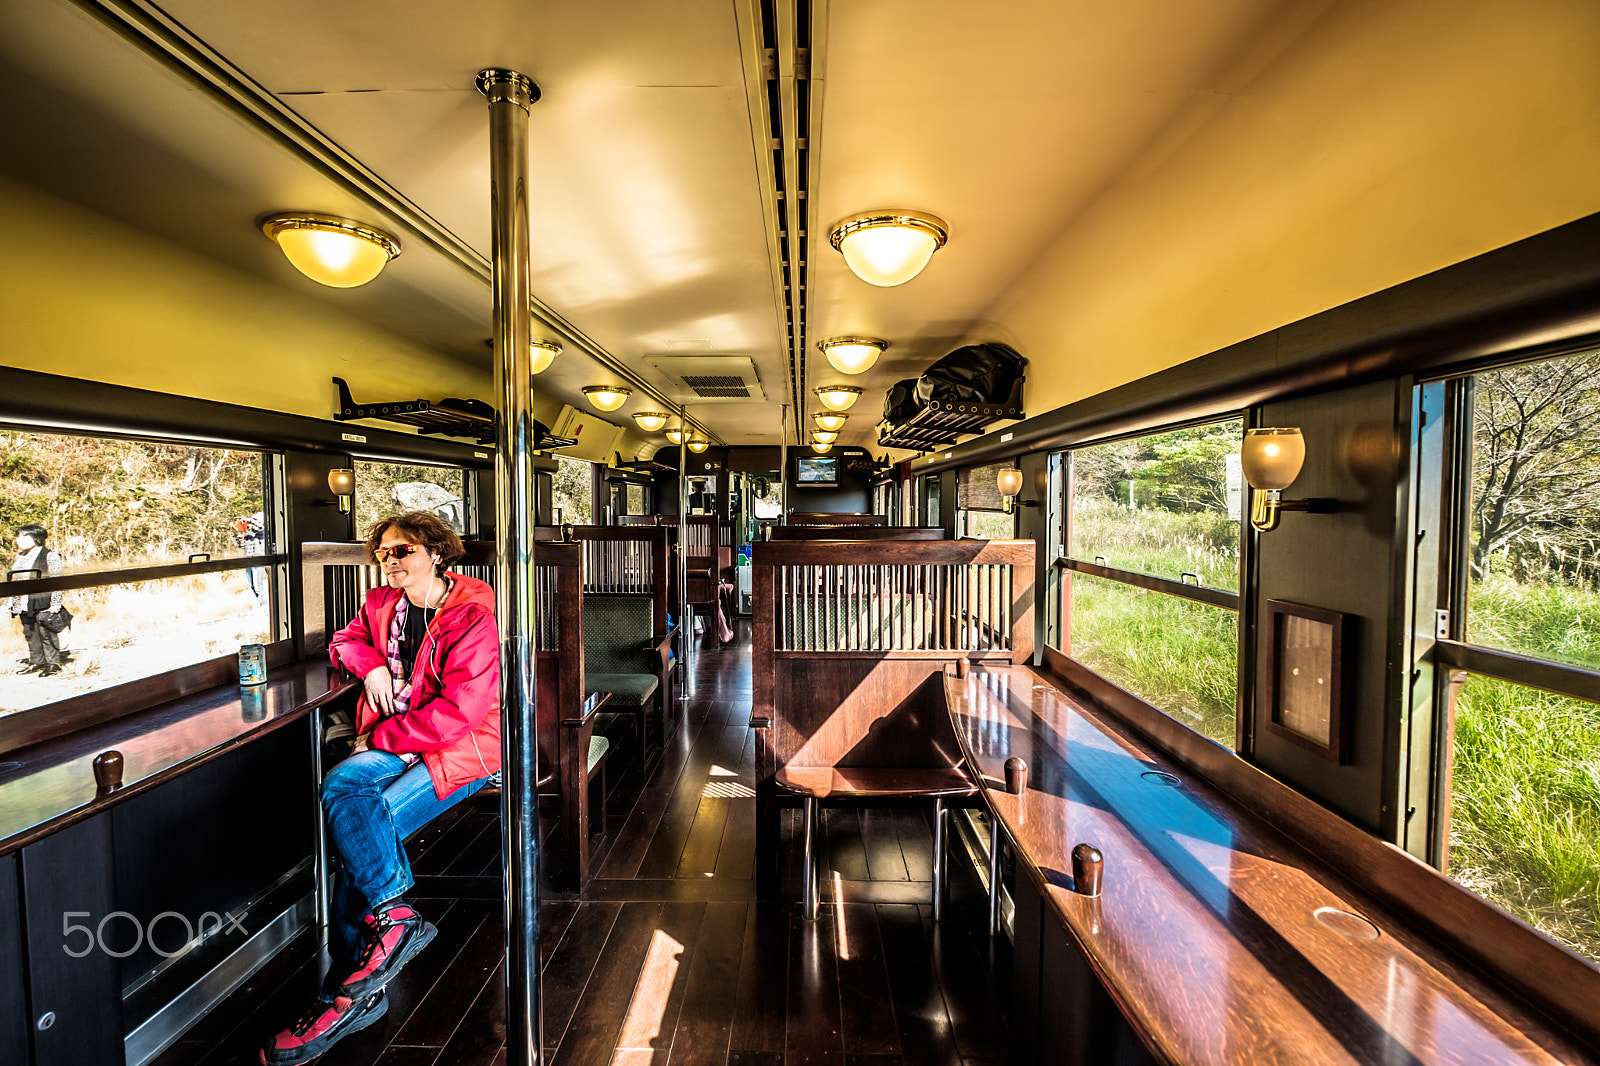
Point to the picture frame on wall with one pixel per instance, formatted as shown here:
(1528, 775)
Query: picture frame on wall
(1306, 677)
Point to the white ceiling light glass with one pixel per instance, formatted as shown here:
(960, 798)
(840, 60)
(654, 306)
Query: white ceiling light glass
(331, 251)
(676, 434)
(829, 421)
(826, 436)
(819, 447)
(697, 445)
(544, 353)
(888, 247)
(650, 421)
(838, 397)
(852, 355)
(607, 397)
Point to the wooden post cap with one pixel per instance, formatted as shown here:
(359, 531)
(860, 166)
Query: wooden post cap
(108, 770)
(1016, 776)
(961, 667)
(1087, 866)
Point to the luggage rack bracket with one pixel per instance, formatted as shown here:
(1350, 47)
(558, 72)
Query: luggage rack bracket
(431, 418)
(940, 422)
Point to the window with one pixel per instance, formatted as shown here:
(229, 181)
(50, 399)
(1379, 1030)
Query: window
(384, 489)
(634, 497)
(572, 491)
(153, 539)
(1523, 758)
(981, 508)
(1151, 578)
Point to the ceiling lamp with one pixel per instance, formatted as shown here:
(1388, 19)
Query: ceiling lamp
(829, 421)
(544, 353)
(607, 397)
(819, 447)
(826, 436)
(837, 397)
(650, 421)
(852, 355)
(332, 251)
(888, 247)
(697, 445)
(676, 434)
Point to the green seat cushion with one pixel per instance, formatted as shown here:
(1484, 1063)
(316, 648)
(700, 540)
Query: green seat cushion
(627, 690)
(598, 746)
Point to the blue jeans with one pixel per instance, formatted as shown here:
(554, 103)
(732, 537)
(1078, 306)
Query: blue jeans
(373, 801)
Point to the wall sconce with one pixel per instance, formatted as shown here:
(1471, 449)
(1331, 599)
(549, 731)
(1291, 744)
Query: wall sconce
(837, 397)
(1271, 460)
(650, 421)
(888, 247)
(826, 436)
(852, 355)
(1010, 483)
(607, 397)
(829, 421)
(697, 445)
(342, 483)
(819, 447)
(331, 251)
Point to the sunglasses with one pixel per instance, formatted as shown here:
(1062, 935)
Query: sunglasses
(397, 552)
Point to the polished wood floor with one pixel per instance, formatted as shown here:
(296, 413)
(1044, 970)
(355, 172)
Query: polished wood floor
(668, 957)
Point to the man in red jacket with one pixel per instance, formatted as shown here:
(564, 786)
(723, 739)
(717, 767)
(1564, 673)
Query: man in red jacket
(427, 649)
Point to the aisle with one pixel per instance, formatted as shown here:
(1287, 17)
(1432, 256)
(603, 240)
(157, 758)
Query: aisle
(667, 957)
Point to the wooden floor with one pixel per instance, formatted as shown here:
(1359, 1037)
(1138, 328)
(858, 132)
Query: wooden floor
(668, 957)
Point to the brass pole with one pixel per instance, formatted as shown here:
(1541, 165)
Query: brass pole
(510, 96)
(691, 649)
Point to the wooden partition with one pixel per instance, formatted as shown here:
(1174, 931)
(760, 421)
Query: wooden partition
(704, 552)
(856, 532)
(835, 518)
(850, 641)
(623, 560)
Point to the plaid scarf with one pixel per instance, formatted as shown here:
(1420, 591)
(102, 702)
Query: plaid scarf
(397, 666)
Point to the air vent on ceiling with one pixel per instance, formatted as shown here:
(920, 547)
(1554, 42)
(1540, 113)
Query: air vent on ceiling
(711, 377)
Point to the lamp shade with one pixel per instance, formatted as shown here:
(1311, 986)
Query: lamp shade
(544, 353)
(676, 434)
(1010, 481)
(697, 445)
(826, 436)
(852, 355)
(650, 421)
(342, 482)
(838, 397)
(821, 446)
(888, 247)
(1271, 458)
(829, 420)
(606, 397)
(331, 251)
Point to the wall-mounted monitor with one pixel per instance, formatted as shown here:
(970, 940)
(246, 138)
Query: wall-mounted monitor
(816, 472)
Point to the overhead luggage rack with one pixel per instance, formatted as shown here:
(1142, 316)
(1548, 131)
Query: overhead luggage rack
(940, 422)
(430, 417)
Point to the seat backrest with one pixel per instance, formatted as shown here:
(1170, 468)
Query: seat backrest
(616, 629)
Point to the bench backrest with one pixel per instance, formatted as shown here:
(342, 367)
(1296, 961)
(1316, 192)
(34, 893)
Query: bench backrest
(835, 518)
(849, 634)
(820, 532)
(617, 629)
(633, 560)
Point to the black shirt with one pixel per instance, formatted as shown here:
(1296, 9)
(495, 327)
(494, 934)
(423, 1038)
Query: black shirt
(416, 626)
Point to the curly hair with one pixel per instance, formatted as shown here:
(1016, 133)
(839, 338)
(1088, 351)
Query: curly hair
(420, 527)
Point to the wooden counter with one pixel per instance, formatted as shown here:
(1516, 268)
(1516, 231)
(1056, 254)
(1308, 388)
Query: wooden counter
(50, 786)
(1220, 940)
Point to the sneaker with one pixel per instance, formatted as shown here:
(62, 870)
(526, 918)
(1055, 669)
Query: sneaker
(389, 938)
(324, 1024)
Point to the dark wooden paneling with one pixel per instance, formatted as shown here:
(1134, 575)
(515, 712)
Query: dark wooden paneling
(13, 998)
(66, 877)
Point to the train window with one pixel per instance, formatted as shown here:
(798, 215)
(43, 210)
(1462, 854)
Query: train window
(383, 489)
(980, 507)
(572, 491)
(1523, 764)
(1151, 600)
(150, 538)
(634, 499)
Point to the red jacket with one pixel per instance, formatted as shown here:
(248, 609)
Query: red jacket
(454, 718)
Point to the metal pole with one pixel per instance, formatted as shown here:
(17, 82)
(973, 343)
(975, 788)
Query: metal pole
(783, 469)
(691, 649)
(510, 96)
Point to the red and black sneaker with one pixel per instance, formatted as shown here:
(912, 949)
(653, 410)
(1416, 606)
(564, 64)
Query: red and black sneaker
(389, 937)
(324, 1024)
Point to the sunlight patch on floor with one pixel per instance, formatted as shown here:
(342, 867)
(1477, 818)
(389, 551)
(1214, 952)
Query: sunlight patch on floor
(650, 993)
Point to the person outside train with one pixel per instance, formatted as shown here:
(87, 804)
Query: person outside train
(427, 648)
(39, 614)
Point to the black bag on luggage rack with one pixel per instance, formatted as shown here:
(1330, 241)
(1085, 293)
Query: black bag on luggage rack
(976, 373)
(901, 402)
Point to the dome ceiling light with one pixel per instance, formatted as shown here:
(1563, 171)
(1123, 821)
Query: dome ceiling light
(819, 447)
(698, 445)
(826, 436)
(888, 247)
(650, 421)
(607, 397)
(852, 355)
(332, 251)
(829, 421)
(544, 353)
(676, 434)
(837, 397)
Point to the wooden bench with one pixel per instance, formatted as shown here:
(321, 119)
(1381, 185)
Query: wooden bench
(851, 642)
(855, 532)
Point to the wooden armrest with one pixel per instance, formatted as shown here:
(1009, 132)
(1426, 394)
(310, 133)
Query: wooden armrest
(662, 641)
(587, 713)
